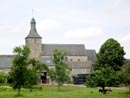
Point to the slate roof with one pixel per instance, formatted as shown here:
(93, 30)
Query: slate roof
(73, 65)
(47, 61)
(6, 61)
(71, 49)
(33, 32)
(91, 55)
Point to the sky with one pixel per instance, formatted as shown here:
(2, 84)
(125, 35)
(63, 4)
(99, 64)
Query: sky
(88, 22)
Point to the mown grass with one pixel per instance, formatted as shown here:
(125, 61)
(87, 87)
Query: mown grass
(66, 92)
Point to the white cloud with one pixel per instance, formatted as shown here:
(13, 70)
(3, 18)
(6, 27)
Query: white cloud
(125, 38)
(48, 24)
(118, 5)
(83, 33)
(11, 36)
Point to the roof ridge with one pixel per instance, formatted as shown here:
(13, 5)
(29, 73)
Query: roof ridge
(7, 55)
(61, 44)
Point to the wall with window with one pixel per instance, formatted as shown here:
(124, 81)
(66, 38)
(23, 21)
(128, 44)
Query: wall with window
(76, 58)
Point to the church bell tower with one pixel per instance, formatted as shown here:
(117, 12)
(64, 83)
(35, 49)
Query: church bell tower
(34, 41)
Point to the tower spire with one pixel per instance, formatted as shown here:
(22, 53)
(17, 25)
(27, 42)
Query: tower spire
(34, 41)
(33, 31)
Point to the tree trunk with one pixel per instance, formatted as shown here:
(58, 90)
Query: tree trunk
(58, 87)
(103, 90)
(129, 89)
(19, 89)
(31, 89)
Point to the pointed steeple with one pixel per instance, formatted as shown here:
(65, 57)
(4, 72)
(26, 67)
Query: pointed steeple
(33, 31)
(34, 41)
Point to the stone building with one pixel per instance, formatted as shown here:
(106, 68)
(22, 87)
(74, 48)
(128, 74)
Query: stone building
(79, 59)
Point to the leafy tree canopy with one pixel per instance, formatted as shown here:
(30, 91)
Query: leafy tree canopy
(125, 75)
(37, 65)
(31, 78)
(112, 54)
(109, 61)
(52, 74)
(3, 77)
(60, 67)
(19, 68)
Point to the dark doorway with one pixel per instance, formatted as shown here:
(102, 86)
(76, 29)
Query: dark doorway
(44, 77)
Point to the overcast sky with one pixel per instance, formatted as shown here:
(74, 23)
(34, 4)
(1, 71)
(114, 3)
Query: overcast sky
(89, 22)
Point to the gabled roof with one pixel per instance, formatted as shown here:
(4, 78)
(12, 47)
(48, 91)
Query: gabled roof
(6, 61)
(91, 55)
(33, 31)
(71, 49)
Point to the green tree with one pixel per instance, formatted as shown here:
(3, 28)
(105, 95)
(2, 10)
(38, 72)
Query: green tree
(19, 69)
(3, 77)
(60, 67)
(110, 53)
(125, 75)
(90, 80)
(109, 61)
(52, 74)
(100, 78)
(32, 79)
(37, 65)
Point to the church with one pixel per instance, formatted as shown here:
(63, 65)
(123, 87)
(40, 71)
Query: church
(78, 58)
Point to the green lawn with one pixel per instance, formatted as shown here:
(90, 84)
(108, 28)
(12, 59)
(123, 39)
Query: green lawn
(66, 92)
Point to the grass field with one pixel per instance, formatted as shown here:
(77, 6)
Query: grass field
(66, 92)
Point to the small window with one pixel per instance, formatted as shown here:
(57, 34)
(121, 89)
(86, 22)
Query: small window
(84, 70)
(70, 69)
(71, 59)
